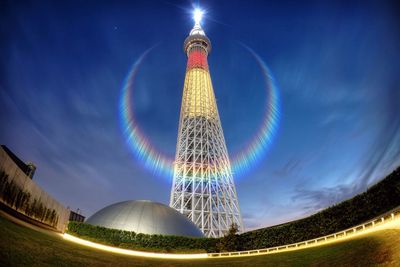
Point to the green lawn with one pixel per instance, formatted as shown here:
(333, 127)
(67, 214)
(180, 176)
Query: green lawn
(21, 246)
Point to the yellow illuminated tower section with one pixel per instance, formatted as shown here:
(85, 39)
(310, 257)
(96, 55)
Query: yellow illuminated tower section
(203, 187)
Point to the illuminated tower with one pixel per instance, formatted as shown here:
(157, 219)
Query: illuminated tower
(203, 188)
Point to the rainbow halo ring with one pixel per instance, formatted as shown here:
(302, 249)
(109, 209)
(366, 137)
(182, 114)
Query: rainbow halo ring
(157, 162)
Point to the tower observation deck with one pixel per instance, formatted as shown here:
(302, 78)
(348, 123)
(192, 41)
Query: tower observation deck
(203, 188)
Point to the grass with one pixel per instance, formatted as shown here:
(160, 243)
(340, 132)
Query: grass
(21, 246)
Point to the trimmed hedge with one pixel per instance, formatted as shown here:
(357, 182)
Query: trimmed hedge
(127, 239)
(380, 198)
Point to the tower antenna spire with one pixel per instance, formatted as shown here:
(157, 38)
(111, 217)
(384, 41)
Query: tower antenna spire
(197, 17)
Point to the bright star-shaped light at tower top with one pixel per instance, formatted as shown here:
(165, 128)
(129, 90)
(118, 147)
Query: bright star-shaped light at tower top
(198, 15)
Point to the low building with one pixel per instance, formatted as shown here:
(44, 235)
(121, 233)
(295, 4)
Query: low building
(27, 168)
(76, 216)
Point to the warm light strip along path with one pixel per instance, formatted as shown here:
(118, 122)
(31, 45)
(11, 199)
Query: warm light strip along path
(390, 220)
(134, 252)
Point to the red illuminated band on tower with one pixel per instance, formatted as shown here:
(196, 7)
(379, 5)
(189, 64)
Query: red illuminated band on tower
(197, 59)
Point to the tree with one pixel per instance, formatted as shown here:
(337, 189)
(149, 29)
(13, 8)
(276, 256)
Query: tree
(230, 242)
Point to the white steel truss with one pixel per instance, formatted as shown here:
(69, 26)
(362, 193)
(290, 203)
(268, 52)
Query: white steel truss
(203, 188)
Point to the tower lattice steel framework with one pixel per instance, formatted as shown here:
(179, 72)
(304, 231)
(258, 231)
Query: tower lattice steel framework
(203, 188)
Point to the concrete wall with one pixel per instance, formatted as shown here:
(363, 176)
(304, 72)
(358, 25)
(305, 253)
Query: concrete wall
(26, 184)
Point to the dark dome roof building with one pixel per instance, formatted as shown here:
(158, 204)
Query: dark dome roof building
(147, 217)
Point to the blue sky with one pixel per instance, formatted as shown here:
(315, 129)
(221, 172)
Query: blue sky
(336, 64)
